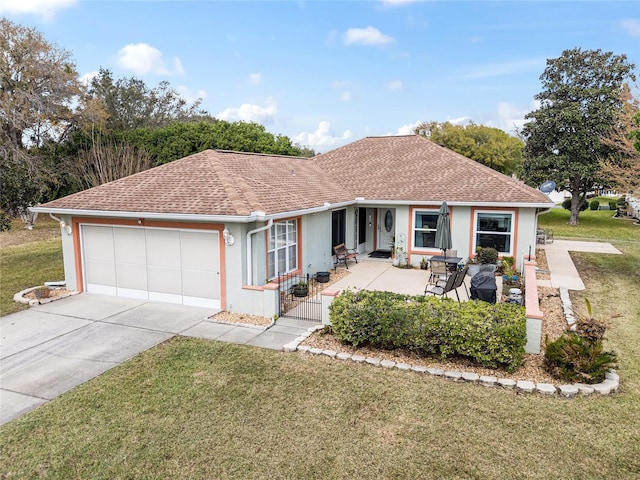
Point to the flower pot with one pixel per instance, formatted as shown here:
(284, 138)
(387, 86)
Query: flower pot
(300, 291)
(322, 277)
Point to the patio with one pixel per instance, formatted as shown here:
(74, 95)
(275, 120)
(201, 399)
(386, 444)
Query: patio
(380, 274)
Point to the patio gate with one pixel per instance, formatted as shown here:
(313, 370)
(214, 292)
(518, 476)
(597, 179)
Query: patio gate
(299, 297)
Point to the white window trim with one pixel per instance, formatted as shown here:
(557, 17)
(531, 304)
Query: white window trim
(414, 213)
(273, 230)
(512, 233)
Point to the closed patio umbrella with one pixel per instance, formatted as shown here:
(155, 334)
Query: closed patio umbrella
(443, 230)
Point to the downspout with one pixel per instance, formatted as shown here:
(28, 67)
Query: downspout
(249, 252)
(63, 224)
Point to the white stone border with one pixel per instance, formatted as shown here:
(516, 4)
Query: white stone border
(32, 302)
(609, 386)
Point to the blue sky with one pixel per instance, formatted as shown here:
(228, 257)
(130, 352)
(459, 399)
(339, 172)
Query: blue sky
(326, 73)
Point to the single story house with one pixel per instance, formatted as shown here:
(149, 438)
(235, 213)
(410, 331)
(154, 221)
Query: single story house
(214, 229)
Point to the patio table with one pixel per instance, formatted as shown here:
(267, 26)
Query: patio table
(452, 262)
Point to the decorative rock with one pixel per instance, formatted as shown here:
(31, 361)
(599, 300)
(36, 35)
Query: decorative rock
(329, 353)
(612, 375)
(343, 356)
(418, 369)
(373, 361)
(601, 388)
(315, 351)
(452, 375)
(438, 372)
(306, 334)
(357, 358)
(470, 377)
(387, 364)
(568, 391)
(290, 347)
(300, 339)
(34, 302)
(613, 384)
(525, 386)
(546, 389)
(303, 348)
(403, 366)
(585, 389)
(488, 381)
(314, 328)
(506, 382)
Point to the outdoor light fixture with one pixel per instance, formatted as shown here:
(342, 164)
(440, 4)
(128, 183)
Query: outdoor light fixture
(228, 238)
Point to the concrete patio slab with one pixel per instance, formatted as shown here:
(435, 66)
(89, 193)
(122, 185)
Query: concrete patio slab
(273, 339)
(240, 335)
(208, 330)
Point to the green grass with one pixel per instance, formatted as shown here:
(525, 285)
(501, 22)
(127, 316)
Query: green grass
(192, 408)
(28, 265)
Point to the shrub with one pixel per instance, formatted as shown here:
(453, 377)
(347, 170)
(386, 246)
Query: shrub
(579, 356)
(622, 202)
(567, 205)
(487, 255)
(613, 205)
(594, 205)
(493, 335)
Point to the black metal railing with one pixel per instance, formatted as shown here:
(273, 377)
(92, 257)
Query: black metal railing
(299, 297)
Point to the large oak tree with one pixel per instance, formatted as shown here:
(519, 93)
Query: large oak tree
(581, 98)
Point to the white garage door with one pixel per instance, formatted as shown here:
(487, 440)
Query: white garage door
(165, 265)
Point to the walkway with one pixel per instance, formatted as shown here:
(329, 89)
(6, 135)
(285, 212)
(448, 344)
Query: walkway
(563, 271)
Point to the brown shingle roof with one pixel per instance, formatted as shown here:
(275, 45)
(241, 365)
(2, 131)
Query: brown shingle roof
(214, 182)
(412, 168)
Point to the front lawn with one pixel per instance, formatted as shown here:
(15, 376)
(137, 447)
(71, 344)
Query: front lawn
(193, 408)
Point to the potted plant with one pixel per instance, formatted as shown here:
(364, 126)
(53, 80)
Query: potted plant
(301, 289)
(486, 260)
(424, 264)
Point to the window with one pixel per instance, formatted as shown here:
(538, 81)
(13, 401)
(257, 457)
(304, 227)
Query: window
(494, 230)
(282, 250)
(424, 229)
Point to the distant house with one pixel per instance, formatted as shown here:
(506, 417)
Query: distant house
(213, 229)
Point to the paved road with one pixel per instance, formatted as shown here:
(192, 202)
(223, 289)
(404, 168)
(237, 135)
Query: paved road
(49, 349)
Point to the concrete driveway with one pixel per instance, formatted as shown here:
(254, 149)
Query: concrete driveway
(49, 349)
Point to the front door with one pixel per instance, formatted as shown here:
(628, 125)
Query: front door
(386, 228)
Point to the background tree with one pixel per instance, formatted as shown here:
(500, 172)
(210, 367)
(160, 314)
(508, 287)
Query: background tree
(490, 146)
(581, 97)
(38, 85)
(623, 169)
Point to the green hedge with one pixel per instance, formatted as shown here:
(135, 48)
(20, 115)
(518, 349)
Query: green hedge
(594, 205)
(493, 335)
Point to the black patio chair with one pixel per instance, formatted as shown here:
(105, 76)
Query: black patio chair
(444, 289)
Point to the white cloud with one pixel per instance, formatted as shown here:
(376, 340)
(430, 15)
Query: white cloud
(255, 78)
(459, 120)
(345, 97)
(322, 138)
(45, 9)
(408, 129)
(366, 36)
(191, 95)
(248, 112)
(142, 58)
(395, 85)
(632, 26)
(510, 118)
(86, 78)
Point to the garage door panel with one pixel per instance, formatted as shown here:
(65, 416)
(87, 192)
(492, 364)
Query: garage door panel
(98, 243)
(199, 251)
(199, 284)
(132, 276)
(163, 248)
(130, 246)
(165, 280)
